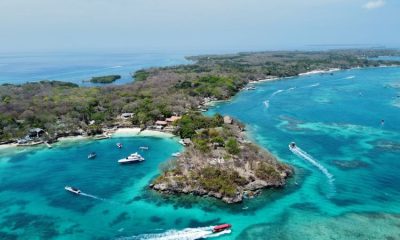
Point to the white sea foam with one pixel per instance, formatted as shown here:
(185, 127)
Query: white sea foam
(304, 155)
(185, 234)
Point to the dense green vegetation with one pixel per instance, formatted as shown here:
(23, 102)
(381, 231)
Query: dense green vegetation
(141, 75)
(224, 181)
(65, 109)
(105, 79)
(189, 123)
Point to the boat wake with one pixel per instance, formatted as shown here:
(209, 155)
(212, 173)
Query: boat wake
(185, 234)
(312, 85)
(276, 92)
(267, 102)
(304, 155)
(97, 198)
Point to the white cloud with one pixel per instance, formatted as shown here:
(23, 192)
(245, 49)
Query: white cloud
(374, 4)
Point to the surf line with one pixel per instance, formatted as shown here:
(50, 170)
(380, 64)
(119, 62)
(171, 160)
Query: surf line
(304, 155)
(185, 234)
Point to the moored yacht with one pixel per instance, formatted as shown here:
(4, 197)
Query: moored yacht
(134, 157)
(119, 145)
(177, 154)
(72, 189)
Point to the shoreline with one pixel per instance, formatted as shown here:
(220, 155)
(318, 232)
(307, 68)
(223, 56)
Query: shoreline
(120, 132)
(135, 131)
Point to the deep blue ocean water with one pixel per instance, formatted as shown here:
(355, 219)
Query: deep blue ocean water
(346, 184)
(74, 67)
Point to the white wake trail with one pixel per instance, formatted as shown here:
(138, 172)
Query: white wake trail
(276, 92)
(185, 234)
(312, 85)
(267, 102)
(97, 198)
(304, 155)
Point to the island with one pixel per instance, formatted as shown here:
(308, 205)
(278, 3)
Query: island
(218, 160)
(105, 79)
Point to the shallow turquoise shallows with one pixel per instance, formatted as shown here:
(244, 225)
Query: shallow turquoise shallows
(346, 186)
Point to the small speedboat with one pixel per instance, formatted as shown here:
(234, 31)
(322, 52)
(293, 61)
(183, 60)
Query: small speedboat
(92, 155)
(182, 142)
(221, 228)
(119, 145)
(72, 189)
(177, 154)
(250, 88)
(133, 158)
(292, 145)
(143, 148)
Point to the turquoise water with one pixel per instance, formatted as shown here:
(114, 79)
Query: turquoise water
(71, 67)
(346, 184)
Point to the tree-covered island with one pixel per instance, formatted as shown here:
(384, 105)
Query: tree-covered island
(105, 79)
(218, 160)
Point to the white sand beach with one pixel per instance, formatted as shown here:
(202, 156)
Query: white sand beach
(319, 71)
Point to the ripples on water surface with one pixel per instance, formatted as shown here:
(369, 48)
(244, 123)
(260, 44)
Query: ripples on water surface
(334, 119)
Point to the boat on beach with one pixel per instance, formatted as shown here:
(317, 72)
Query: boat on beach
(72, 190)
(133, 158)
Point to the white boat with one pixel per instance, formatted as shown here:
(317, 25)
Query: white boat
(144, 148)
(182, 142)
(119, 145)
(134, 157)
(249, 88)
(292, 145)
(177, 154)
(101, 136)
(72, 189)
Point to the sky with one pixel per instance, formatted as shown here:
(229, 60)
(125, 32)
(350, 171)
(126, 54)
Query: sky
(195, 25)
